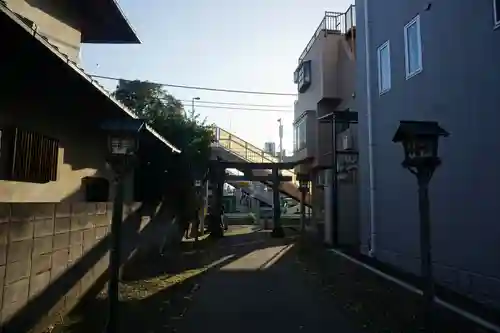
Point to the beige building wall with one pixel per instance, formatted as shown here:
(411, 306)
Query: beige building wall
(54, 19)
(340, 83)
(82, 153)
(346, 74)
(332, 77)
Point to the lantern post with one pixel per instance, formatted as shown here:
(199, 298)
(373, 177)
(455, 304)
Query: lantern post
(420, 144)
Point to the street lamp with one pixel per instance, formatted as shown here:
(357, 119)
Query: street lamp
(192, 102)
(420, 144)
(123, 144)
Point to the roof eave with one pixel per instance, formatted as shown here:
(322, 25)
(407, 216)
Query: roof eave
(6, 11)
(109, 25)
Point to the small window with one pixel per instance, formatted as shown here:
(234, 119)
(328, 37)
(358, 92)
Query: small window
(496, 12)
(384, 67)
(304, 76)
(413, 48)
(29, 157)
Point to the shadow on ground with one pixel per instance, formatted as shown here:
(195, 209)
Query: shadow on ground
(376, 304)
(156, 288)
(239, 293)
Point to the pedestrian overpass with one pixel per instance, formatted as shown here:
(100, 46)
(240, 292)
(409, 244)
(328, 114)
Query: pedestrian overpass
(231, 148)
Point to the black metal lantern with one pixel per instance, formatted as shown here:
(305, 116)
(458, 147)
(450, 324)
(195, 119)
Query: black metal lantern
(304, 185)
(198, 186)
(304, 189)
(123, 144)
(303, 180)
(123, 140)
(123, 136)
(420, 143)
(198, 177)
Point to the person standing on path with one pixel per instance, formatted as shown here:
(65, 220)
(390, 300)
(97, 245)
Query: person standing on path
(214, 225)
(223, 220)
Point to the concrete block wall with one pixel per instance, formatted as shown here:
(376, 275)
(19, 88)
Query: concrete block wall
(51, 254)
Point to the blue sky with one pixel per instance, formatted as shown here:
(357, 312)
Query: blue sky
(231, 44)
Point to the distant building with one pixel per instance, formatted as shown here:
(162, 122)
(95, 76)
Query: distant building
(325, 79)
(270, 148)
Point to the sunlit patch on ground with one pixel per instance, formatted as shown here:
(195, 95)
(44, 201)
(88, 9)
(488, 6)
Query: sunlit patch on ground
(157, 292)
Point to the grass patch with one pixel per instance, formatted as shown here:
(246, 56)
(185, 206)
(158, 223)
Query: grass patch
(154, 293)
(142, 289)
(155, 290)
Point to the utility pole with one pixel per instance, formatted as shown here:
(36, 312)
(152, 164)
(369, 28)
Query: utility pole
(281, 140)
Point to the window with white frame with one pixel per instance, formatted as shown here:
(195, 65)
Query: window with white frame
(384, 67)
(413, 47)
(496, 12)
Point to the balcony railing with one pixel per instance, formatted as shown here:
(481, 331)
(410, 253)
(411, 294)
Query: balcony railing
(332, 22)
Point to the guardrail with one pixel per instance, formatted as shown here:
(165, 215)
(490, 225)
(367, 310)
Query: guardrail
(332, 22)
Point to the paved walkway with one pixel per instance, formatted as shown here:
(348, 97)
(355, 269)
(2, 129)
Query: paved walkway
(260, 289)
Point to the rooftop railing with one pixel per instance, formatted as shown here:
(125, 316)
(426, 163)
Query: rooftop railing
(332, 22)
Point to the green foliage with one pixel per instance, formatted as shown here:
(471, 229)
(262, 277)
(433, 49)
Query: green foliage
(173, 173)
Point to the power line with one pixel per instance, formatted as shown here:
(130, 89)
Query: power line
(238, 104)
(242, 109)
(199, 88)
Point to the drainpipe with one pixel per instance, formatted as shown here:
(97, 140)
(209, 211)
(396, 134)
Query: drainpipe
(373, 233)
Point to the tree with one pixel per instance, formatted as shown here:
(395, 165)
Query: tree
(170, 174)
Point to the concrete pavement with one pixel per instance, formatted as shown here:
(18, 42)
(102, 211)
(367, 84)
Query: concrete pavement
(262, 290)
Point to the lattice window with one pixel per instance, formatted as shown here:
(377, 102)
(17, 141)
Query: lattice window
(28, 156)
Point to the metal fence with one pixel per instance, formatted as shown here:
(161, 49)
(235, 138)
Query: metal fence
(332, 22)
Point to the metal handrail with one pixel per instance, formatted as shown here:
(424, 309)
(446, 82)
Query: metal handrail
(248, 146)
(251, 147)
(262, 155)
(337, 22)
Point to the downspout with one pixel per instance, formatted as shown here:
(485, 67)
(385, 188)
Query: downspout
(373, 233)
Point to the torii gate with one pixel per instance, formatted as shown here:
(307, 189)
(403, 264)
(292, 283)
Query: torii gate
(218, 177)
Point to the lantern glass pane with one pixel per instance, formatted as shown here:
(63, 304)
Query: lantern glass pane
(419, 148)
(122, 146)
